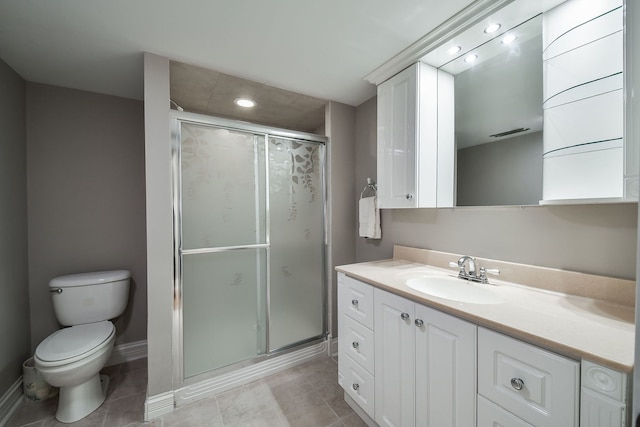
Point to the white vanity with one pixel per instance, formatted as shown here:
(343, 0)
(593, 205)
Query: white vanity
(531, 357)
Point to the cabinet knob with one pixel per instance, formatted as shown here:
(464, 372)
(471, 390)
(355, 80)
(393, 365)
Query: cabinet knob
(517, 383)
(354, 302)
(404, 316)
(419, 323)
(356, 386)
(409, 196)
(355, 344)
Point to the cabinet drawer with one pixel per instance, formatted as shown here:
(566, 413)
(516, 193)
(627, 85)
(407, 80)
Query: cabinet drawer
(491, 415)
(358, 384)
(538, 386)
(356, 341)
(355, 299)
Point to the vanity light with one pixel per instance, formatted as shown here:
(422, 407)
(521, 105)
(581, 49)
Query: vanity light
(471, 59)
(454, 49)
(508, 39)
(492, 28)
(245, 102)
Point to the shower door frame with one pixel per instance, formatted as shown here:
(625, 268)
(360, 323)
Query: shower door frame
(176, 118)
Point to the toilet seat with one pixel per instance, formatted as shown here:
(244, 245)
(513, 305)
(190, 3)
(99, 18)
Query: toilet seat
(69, 345)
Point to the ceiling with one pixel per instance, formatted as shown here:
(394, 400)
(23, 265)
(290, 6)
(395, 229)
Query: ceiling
(320, 49)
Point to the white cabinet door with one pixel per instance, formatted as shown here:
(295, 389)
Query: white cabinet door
(416, 143)
(394, 360)
(445, 369)
(397, 133)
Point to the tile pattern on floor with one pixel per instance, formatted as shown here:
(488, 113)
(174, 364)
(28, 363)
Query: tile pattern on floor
(307, 395)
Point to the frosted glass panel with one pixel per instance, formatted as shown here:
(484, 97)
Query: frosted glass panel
(223, 188)
(297, 241)
(223, 308)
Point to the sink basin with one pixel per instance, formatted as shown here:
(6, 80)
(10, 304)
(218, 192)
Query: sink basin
(454, 289)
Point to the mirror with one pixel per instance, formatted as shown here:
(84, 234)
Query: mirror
(498, 120)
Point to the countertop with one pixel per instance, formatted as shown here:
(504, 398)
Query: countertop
(574, 326)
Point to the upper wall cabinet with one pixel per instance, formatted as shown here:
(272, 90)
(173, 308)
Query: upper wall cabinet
(415, 160)
(584, 148)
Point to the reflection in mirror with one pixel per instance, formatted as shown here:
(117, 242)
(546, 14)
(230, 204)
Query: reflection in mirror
(498, 119)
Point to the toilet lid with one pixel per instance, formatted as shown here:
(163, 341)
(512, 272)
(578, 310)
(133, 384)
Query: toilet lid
(74, 341)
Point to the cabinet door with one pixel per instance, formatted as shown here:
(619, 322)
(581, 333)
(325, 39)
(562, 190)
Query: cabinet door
(445, 369)
(397, 99)
(394, 337)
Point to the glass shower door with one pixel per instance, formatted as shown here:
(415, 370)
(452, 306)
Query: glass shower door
(223, 248)
(296, 210)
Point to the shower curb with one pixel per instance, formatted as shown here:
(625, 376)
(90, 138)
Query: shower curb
(222, 383)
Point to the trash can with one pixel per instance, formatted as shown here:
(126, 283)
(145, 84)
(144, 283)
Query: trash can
(33, 385)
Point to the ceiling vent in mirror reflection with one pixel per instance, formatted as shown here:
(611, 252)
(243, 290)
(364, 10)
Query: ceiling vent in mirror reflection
(508, 132)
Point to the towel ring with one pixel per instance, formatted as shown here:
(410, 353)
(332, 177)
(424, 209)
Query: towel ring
(371, 185)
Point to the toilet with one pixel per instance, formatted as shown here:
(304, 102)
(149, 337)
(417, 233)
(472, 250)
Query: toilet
(71, 358)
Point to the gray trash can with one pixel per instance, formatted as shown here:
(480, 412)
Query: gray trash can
(33, 385)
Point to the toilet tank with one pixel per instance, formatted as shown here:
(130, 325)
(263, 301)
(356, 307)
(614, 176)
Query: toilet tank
(89, 297)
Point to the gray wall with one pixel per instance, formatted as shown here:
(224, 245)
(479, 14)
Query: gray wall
(86, 193)
(14, 303)
(596, 239)
(506, 172)
(340, 129)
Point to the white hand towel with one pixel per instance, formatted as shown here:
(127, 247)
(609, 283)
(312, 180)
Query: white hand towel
(369, 216)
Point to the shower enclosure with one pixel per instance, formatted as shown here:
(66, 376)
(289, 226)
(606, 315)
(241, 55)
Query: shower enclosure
(249, 242)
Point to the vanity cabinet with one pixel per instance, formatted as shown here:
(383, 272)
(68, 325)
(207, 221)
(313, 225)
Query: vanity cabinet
(406, 364)
(415, 139)
(425, 365)
(356, 341)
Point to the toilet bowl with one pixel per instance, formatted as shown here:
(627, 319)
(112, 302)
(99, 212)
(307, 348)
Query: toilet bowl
(71, 358)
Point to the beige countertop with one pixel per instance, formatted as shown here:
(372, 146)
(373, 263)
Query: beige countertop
(575, 326)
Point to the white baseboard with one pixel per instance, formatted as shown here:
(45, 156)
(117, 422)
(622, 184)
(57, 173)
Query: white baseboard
(224, 382)
(158, 405)
(127, 352)
(334, 347)
(10, 401)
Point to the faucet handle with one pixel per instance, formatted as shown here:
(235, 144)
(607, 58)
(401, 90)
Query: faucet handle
(484, 271)
(462, 273)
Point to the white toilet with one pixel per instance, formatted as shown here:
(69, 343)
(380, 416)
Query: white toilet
(71, 358)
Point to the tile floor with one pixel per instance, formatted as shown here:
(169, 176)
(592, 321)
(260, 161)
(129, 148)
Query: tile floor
(307, 396)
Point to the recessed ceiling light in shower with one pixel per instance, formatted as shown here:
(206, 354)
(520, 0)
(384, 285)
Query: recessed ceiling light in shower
(245, 102)
(454, 49)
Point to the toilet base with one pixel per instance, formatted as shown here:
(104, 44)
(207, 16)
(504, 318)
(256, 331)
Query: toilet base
(78, 401)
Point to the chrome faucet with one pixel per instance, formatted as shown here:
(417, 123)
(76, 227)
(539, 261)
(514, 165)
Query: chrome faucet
(464, 274)
(471, 273)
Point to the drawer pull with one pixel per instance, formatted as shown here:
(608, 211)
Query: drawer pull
(354, 302)
(356, 387)
(517, 383)
(404, 316)
(355, 344)
(419, 323)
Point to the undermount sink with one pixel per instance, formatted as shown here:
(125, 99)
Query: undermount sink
(455, 289)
